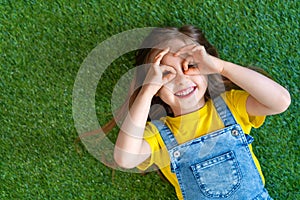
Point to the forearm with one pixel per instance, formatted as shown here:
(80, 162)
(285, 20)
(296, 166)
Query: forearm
(131, 149)
(267, 92)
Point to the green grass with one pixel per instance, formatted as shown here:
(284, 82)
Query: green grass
(43, 44)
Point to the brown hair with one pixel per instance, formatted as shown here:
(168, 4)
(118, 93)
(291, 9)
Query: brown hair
(156, 38)
(154, 41)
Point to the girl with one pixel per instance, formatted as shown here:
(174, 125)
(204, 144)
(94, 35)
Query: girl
(190, 113)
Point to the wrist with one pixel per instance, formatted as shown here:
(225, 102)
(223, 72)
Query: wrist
(148, 91)
(222, 70)
(219, 64)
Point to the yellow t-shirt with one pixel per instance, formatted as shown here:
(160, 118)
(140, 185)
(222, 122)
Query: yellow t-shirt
(196, 124)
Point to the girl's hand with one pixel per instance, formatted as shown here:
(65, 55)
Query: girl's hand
(158, 74)
(198, 61)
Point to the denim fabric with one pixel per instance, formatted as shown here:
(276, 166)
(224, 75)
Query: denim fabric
(218, 165)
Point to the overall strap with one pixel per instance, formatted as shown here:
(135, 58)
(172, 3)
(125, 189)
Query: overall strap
(226, 115)
(166, 134)
(223, 111)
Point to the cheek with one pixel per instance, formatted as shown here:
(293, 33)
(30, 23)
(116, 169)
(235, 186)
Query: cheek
(202, 81)
(165, 91)
(168, 87)
(166, 94)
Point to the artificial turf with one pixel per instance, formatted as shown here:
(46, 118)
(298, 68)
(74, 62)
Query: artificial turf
(43, 44)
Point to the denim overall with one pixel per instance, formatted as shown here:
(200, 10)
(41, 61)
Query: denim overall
(218, 165)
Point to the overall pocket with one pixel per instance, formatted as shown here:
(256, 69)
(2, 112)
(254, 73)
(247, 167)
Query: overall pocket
(218, 177)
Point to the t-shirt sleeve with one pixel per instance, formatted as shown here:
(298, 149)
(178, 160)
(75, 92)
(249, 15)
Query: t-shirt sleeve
(236, 101)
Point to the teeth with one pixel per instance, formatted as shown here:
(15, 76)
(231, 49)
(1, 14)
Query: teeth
(185, 92)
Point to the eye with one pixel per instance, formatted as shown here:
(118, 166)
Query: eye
(165, 73)
(192, 65)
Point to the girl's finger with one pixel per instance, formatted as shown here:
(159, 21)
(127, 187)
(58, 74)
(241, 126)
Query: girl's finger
(161, 54)
(186, 62)
(168, 78)
(185, 49)
(198, 48)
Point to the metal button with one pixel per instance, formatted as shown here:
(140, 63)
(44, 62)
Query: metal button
(176, 154)
(234, 132)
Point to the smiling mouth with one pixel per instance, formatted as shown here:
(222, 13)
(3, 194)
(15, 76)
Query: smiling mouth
(185, 92)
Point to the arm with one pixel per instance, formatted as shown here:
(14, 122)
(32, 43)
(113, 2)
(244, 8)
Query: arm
(266, 96)
(131, 149)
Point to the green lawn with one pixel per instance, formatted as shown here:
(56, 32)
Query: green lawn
(43, 44)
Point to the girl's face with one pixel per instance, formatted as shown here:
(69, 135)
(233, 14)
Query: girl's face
(185, 93)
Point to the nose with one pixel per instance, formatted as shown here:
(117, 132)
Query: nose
(180, 78)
